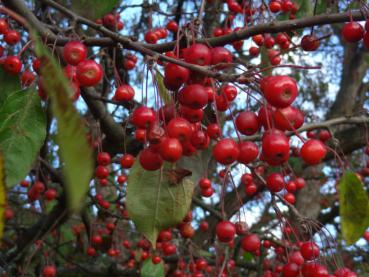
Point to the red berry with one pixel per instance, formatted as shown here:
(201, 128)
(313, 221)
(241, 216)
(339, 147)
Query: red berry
(156, 259)
(49, 271)
(101, 172)
(213, 131)
(12, 65)
(220, 56)
(179, 128)
(39, 187)
(324, 135)
(207, 192)
(291, 186)
(226, 151)
(27, 78)
(309, 250)
(170, 149)
(151, 37)
(127, 161)
(143, 117)
(172, 26)
(296, 257)
(3, 26)
(310, 43)
(250, 243)
(248, 152)
(74, 52)
(175, 76)
(200, 140)
(89, 73)
(103, 158)
(150, 160)
(289, 118)
(96, 239)
(247, 123)
(275, 6)
(275, 147)
(11, 37)
(254, 51)
(352, 32)
(124, 93)
(275, 182)
(279, 91)
(204, 226)
(204, 183)
(50, 194)
(193, 96)
(290, 270)
(91, 251)
(121, 179)
(290, 198)
(313, 151)
(225, 231)
(198, 54)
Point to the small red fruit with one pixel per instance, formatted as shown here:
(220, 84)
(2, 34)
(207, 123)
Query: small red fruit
(124, 93)
(103, 158)
(50, 194)
(275, 182)
(49, 271)
(12, 65)
(198, 54)
(150, 160)
(250, 243)
(127, 161)
(89, 73)
(247, 123)
(352, 32)
(226, 151)
(313, 151)
(248, 152)
(193, 96)
(225, 231)
(143, 117)
(170, 149)
(309, 250)
(279, 91)
(11, 37)
(310, 43)
(74, 52)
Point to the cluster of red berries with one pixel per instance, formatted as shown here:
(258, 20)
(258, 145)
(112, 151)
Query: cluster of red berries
(111, 21)
(37, 189)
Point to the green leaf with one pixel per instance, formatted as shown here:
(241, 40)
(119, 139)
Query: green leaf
(197, 164)
(9, 83)
(305, 8)
(75, 151)
(22, 132)
(163, 92)
(321, 6)
(248, 257)
(354, 207)
(92, 9)
(152, 270)
(153, 203)
(2, 197)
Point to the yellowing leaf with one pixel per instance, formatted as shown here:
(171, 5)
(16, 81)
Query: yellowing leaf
(354, 207)
(75, 151)
(154, 203)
